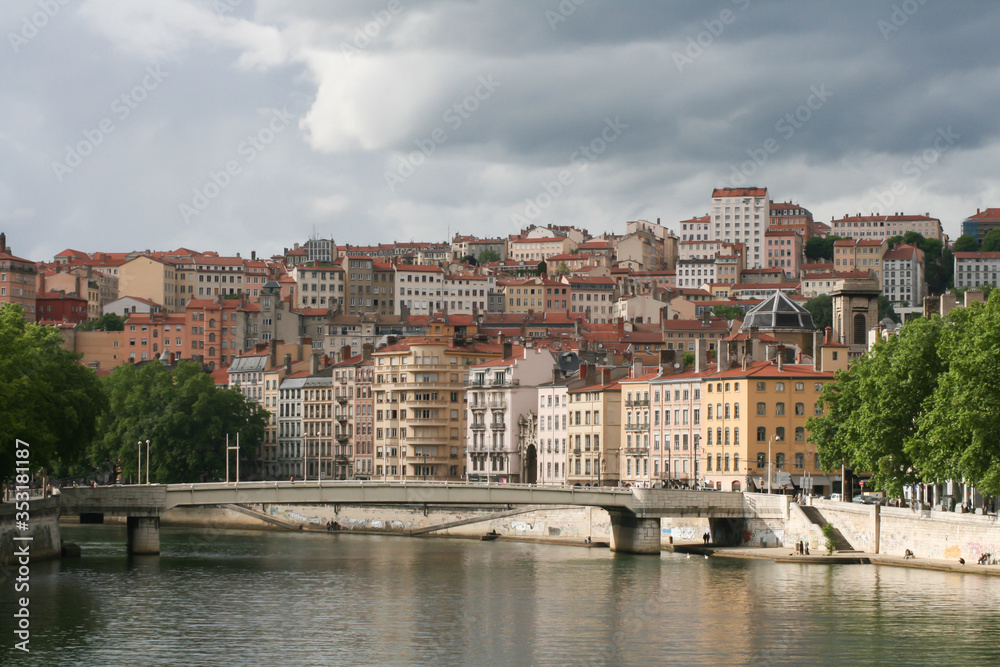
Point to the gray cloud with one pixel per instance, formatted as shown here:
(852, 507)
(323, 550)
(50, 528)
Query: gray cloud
(702, 88)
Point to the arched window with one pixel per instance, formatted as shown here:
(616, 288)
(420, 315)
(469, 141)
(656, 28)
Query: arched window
(800, 434)
(800, 409)
(761, 409)
(727, 462)
(736, 462)
(800, 461)
(779, 460)
(779, 433)
(779, 409)
(736, 410)
(860, 329)
(761, 433)
(761, 460)
(709, 439)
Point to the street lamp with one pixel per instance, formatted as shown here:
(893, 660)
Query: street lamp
(138, 477)
(147, 462)
(772, 438)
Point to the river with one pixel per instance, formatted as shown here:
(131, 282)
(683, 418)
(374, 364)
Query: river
(274, 598)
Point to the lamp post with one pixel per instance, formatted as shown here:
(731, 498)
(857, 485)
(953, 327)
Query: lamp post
(138, 477)
(772, 438)
(147, 462)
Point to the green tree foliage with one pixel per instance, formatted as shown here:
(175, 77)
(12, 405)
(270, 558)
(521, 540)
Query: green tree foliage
(488, 255)
(46, 398)
(885, 309)
(689, 360)
(965, 243)
(562, 269)
(728, 312)
(821, 309)
(106, 322)
(991, 242)
(959, 433)
(920, 406)
(818, 248)
(184, 417)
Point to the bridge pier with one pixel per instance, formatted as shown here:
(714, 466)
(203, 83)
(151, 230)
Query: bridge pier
(631, 534)
(143, 535)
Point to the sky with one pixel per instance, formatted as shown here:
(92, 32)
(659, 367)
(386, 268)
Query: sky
(239, 125)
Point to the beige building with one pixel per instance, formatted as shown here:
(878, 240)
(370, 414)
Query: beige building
(152, 279)
(594, 433)
(419, 402)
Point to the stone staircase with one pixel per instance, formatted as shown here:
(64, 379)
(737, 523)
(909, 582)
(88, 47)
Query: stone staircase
(841, 545)
(263, 516)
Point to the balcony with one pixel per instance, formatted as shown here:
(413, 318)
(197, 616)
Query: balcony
(637, 451)
(342, 458)
(342, 437)
(477, 426)
(342, 418)
(342, 399)
(637, 426)
(498, 426)
(577, 451)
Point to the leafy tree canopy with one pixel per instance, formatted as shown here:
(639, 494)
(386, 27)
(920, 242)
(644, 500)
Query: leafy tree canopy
(728, 312)
(965, 243)
(106, 322)
(488, 255)
(920, 406)
(184, 417)
(562, 269)
(991, 242)
(821, 309)
(46, 398)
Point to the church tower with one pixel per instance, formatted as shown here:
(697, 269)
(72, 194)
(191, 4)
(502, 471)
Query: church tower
(855, 312)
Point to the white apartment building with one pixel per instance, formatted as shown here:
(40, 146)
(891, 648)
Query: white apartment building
(693, 273)
(419, 288)
(742, 215)
(696, 229)
(463, 294)
(977, 268)
(498, 393)
(903, 276)
(868, 227)
(552, 432)
(290, 450)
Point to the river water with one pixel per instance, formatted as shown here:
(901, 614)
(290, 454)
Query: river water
(272, 598)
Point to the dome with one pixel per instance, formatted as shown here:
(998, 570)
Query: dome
(778, 312)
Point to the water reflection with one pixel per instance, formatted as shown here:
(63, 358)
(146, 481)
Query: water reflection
(243, 597)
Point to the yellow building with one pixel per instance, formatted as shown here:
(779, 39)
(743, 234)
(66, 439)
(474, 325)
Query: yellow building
(634, 465)
(594, 434)
(756, 414)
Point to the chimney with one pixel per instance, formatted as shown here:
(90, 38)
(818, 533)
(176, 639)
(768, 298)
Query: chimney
(606, 375)
(829, 335)
(345, 352)
(3, 242)
(366, 351)
(723, 356)
(313, 363)
(817, 351)
(636, 366)
(780, 356)
(700, 355)
(508, 349)
(288, 364)
(253, 254)
(272, 361)
(584, 368)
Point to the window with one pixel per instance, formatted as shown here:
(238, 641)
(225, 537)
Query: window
(800, 434)
(779, 409)
(779, 460)
(800, 386)
(761, 386)
(761, 409)
(779, 386)
(761, 434)
(800, 461)
(800, 409)
(761, 460)
(818, 409)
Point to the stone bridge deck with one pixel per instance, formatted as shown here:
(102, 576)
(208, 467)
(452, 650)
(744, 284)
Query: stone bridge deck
(635, 513)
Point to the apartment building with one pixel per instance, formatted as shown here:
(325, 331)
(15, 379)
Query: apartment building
(860, 255)
(903, 276)
(742, 215)
(420, 289)
(784, 250)
(594, 433)
(883, 227)
(973, 269)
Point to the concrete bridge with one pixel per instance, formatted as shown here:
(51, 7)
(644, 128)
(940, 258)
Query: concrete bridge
(635, 513)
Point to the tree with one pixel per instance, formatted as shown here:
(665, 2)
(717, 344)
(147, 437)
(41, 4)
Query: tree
(820, 248)
(562, 269)
(965, 243)
(106, 322)
(959, 433)
(821, 309)
(48, 400)
(885, 309)
(488, 255)
(872, 410)
(991, 242)
(728, 312)
(182, 414)
(543, 268)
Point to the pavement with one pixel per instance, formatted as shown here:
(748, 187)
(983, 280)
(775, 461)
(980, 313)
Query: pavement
(787, 555)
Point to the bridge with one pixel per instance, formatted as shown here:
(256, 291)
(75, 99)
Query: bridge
(635, 513)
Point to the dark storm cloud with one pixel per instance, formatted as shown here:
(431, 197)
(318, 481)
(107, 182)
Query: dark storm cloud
(412, 119)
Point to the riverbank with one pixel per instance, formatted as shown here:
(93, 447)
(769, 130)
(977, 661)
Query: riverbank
(787, 555)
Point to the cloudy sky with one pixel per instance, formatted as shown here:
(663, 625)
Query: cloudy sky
(239, 124)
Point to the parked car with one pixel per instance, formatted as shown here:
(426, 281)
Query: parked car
(836, 496)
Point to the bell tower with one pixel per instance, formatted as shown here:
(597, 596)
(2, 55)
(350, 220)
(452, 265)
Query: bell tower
(855, 313)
